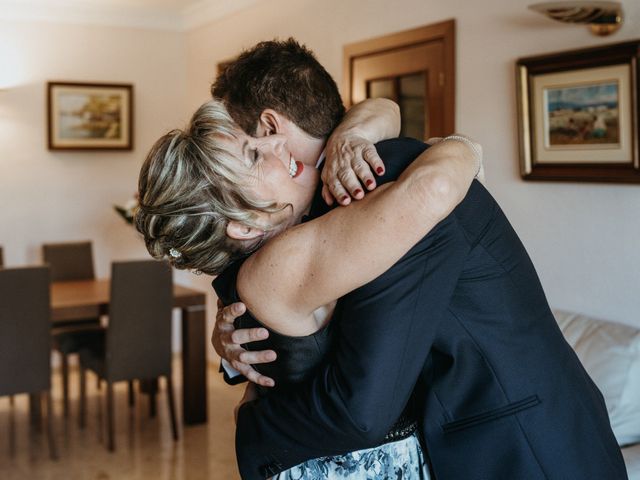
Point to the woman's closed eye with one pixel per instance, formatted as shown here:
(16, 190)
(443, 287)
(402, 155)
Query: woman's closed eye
(255, 153)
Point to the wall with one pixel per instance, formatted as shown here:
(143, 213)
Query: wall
(57, 196)
(583, 238)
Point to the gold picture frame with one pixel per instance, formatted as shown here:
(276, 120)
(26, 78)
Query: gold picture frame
(578, 115)
(89, 116)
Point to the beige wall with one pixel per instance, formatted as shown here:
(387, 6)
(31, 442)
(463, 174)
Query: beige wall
(56, 196)
(583, 238)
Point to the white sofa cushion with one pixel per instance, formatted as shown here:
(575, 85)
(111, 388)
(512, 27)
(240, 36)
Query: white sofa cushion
(610, 352)
(631, 456)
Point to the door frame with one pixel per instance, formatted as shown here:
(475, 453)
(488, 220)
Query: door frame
(442, 31)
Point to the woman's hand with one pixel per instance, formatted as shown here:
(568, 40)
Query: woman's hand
(250, 394)
(350, 163)
(352, 158)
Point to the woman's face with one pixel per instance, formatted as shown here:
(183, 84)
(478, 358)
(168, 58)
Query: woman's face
(274, 174)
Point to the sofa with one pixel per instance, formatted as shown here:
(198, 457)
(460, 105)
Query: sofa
(610, 352)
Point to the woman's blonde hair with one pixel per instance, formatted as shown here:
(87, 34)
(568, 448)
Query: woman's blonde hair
(190, 187)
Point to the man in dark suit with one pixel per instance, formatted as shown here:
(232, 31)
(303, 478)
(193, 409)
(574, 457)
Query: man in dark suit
(459, 333)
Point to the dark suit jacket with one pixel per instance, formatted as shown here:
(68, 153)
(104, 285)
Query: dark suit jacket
(460, 326)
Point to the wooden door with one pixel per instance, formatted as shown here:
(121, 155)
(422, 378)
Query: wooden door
(416, 69)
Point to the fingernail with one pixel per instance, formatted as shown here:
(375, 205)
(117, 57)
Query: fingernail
(344, 199)
(369, 182)
(379, 170)
(262, 333)
(357, 192)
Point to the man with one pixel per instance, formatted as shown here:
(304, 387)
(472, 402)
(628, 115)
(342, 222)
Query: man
(497, 392)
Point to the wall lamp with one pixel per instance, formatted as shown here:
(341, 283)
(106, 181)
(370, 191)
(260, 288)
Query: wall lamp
(603, 18)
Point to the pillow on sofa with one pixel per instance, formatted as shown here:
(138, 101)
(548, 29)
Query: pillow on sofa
(610, 352)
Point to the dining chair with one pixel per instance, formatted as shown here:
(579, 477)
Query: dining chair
(1, 258)
(70, 261)
(137, 343)
(25, 339)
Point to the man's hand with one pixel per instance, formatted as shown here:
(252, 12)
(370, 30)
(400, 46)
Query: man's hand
(250, 394)
(227, 342)
(350, 161)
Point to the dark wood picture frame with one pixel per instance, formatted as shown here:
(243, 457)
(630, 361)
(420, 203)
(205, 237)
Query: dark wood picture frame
(100, 113)
(539, 160)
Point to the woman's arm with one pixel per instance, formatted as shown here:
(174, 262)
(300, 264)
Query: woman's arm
(350, 151)
(317, 262)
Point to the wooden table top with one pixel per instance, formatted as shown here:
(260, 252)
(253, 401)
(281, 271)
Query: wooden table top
(90, 298)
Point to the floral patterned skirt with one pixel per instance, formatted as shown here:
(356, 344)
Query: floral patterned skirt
(402, 459)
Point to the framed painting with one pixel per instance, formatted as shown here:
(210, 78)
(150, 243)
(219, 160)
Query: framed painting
(89, 116)
(578, 115)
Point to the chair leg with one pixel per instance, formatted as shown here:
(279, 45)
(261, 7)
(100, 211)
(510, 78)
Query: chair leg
(11, 400)
(53, 451)
(152, 390)
(82, 416)
(132, 398)
(35, 411)
(65, 384)
(172, 407)
(98, 383)
(111, 446)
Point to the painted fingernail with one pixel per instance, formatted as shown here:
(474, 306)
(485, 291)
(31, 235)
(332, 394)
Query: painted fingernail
(379, 170)
(369, 183)
(357, 192)
(344, 199)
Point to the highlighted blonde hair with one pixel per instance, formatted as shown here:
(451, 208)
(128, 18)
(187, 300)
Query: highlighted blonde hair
(190, 187)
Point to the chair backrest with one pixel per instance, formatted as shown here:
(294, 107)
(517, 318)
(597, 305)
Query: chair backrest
(139, 333)
(25, 330)
(69, 260)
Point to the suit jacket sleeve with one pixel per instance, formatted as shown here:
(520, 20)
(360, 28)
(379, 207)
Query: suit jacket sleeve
(385, 332)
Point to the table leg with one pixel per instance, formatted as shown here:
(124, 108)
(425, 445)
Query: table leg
(194, 364)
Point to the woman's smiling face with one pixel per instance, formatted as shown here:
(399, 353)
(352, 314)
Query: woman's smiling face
(274, 174)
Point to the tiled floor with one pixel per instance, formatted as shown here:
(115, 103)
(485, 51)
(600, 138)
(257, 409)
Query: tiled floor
(144, 447)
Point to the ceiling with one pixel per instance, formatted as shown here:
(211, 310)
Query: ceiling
(160, 14)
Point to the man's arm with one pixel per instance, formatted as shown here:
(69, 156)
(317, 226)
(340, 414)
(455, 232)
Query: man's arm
(385, 332)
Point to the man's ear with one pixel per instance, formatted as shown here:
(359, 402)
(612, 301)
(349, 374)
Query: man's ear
(270, 122)
(240, 231)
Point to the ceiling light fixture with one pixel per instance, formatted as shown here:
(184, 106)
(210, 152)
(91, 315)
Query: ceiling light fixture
(603, 18)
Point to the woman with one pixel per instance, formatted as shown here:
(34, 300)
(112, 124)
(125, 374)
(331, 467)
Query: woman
(211, 195)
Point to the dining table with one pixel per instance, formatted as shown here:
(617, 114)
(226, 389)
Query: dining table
(76, 300)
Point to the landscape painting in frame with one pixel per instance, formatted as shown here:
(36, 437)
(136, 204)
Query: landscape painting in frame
(86, 116)
(583, 116)
(578, 114)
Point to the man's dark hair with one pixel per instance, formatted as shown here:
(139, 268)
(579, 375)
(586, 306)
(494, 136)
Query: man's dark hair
(286, 77)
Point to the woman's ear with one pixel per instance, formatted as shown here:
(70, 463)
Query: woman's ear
(270, 122)
(240, 231)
